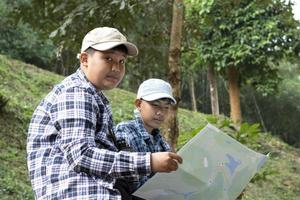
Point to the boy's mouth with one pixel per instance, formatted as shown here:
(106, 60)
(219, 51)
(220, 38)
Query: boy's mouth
(158, 120)
(113, 78)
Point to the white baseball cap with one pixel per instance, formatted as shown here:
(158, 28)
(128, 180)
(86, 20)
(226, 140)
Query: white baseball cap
(154, 89)
(105, 38)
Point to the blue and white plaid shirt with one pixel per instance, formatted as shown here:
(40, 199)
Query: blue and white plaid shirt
(70, 153)
(137, 137)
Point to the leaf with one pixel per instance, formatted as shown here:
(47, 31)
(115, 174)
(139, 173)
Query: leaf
(115, 2)
(53, 33)
(122, 6)
(60, 7)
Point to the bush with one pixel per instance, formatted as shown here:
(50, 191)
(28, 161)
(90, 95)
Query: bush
(3, 102)
(21, 42)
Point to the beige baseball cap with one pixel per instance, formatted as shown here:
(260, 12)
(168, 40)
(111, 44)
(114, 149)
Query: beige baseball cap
(105, 38)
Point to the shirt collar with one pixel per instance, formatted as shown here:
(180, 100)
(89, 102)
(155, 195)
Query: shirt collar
(83, 78)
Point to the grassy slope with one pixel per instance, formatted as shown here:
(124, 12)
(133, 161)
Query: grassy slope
(24, 85)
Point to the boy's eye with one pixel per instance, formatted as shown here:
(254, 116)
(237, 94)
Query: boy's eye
(122, 62)
(154, 104)
(109, 59)
(166, 107)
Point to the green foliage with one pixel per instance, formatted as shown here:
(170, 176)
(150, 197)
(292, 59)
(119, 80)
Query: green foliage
(121, 107)
(264, 175)
(248, 133)
(275, 181)
(25, 85)
(20, 41)
(220, 121)
(280, 113)
(259, 38)
(14, 183)
(16, 41)
(3, 101)
(66, 23)
(250, 35)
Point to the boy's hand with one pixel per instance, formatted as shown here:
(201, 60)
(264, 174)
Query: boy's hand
(165, 161)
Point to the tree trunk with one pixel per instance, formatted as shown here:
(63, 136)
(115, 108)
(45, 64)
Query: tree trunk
(234, 97)
(235, 106)
(213, 91)
(192, 92)
(259, 113)
(171, 131)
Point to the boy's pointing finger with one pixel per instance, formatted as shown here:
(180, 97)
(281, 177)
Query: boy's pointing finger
(176, 157)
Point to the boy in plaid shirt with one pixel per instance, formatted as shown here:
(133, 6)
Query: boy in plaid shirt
(71, 149)
(153, 101)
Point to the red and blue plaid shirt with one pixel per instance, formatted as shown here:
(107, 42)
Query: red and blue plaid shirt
(70, 153)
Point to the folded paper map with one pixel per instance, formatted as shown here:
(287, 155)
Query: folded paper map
(215, 167)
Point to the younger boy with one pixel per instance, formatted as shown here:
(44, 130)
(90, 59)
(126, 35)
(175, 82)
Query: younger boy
(153, 101)
(70, 146)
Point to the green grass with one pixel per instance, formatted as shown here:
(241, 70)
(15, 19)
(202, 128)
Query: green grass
(24, 85)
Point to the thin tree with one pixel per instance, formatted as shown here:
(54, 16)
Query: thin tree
(214, 99)
(244, 40)
(192, 93)
(171, 131)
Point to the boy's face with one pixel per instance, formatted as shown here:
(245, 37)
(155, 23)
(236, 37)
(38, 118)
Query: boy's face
(153, 113)
(104, 69)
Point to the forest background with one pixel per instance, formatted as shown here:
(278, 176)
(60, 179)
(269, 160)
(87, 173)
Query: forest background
(235, 58)
(258, 38)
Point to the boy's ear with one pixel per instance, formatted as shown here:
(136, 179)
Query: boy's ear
(137, 103)
(84, 59)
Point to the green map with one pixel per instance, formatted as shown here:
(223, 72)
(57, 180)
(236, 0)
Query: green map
(215, 166)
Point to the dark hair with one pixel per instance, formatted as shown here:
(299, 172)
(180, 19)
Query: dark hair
(121, 48)
(167, 100)
(90, 50)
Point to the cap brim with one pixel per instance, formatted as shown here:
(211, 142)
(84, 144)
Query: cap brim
(132, 49)
(156, 96)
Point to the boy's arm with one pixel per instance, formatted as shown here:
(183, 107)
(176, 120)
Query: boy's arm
(75, 116)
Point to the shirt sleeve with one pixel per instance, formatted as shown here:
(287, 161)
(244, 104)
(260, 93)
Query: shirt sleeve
(121, 131)
(74, 115)
(126, 131)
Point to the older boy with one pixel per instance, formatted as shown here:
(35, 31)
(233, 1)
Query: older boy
(71, 153)
(153, 101)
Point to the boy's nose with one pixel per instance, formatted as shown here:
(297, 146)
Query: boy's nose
(116, 67)
(159, 112)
